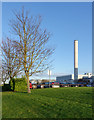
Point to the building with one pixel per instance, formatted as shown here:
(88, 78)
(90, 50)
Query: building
(75, 59)
(74, 77)
(70, 78)
(39, 81)
(65, 78)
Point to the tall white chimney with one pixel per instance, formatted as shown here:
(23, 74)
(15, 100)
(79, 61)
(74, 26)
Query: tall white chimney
(75, 59)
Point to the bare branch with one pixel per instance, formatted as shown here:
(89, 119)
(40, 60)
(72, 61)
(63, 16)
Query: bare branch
(31, 47)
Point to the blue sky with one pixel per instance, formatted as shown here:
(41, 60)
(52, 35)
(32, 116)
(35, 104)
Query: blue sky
(67, 21)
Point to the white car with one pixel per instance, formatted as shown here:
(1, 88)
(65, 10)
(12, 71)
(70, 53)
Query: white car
(55, 86)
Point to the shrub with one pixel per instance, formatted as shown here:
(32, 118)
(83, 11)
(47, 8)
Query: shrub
(20, 84)
(16, 84)
(6, 87)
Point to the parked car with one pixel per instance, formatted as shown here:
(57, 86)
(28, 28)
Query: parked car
(34, 86)
(55, 85)
(61, 84)
(88, 85)
(38, 86)
(30, 84)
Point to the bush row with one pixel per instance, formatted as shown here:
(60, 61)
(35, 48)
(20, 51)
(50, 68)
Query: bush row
(16, 84)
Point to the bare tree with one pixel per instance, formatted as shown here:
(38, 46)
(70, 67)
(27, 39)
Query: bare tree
(31, 43)
(10, 62)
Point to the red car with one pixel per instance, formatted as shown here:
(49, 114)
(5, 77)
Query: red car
(54, 83)
(30, 84)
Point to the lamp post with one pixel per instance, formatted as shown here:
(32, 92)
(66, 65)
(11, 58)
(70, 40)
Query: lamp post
(49, 73)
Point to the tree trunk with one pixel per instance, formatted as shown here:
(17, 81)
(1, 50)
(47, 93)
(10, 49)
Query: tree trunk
(28, 86)
(12, 83)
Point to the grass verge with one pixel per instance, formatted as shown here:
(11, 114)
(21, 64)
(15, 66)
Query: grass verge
(68, 102)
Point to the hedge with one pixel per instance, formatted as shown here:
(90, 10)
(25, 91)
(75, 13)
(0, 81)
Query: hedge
(20, 84)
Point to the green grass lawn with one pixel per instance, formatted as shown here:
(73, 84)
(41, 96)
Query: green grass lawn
(64, 102)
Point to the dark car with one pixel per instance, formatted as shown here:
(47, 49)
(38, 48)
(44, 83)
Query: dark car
(46, 85)
(38, 86)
